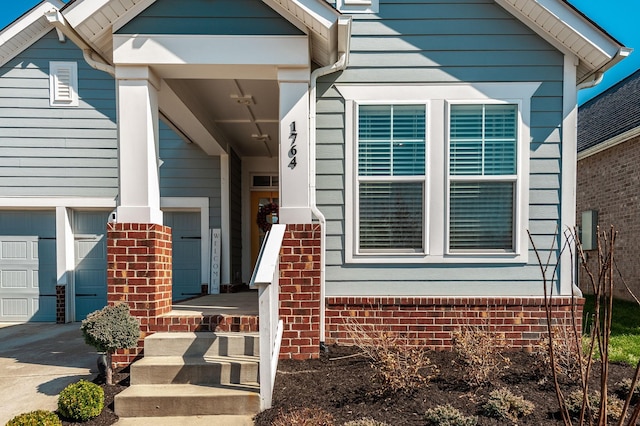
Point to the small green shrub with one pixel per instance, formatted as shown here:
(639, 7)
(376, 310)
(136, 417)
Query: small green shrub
(111, 328)
(35, 418)
(309, 416)
(446, 415)
(573, 402)
(81, 401)
(366, 422)
(505, 405)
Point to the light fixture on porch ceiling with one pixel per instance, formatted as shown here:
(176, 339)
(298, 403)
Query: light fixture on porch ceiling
(243, 100)
(261, 138)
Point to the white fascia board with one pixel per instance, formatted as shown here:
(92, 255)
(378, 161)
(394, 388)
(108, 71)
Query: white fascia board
(609, 143)
(81, 10)
(137, 9)
(318, 11)
(606, 48)
(26, 22)
(208, 49)
(51, 202)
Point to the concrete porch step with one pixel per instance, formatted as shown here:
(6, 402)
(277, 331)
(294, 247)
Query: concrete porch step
(202, 370)
(188, 400)
(202, 344)
(186, 421)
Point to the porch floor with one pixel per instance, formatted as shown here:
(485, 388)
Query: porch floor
(229, 304)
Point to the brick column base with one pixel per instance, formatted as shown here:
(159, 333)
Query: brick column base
(139, 274)
(300, 292)
(430, 321)
(61, 294)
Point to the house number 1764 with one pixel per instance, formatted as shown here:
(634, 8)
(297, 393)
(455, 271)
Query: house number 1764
(293, 134)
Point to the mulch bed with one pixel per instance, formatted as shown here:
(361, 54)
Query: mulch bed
(348, 389)
(345, 385)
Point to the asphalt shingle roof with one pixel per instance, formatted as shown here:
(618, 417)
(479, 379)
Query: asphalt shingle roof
(610, 114)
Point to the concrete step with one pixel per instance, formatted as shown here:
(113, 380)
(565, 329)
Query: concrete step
(184, 370)
(188, 400)
(202, 344)
(186, 421)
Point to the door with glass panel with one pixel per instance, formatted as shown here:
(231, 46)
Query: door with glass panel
(266, 200)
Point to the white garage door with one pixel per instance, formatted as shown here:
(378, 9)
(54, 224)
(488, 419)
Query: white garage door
(27, 266)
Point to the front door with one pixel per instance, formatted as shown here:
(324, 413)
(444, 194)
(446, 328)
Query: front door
(260, 198)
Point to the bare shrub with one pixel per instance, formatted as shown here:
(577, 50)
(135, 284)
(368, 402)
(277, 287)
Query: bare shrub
(567, 352)
(446, 415)
(505, 405)
(308, 416)
(480, 353)
(400, 367)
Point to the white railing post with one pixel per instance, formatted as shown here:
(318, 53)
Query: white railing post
(265, 279)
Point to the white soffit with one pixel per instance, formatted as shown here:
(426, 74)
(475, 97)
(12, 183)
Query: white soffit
(26, 30)
(569, 31)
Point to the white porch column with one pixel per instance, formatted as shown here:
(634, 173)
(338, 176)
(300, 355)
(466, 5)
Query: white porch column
(294, 146)
(139, 200)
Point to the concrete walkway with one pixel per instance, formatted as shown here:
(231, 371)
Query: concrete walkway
(37, 360)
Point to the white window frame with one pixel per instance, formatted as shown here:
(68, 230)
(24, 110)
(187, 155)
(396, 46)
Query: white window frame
(358, 6)
(437, 99)
(424, 180)
(55, 68)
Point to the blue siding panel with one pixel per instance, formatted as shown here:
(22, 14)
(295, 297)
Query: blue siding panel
(220, 17)
(431, 41)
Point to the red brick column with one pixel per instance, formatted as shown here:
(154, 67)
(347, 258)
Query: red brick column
(300, 292)
(61, 305)
(139, 274)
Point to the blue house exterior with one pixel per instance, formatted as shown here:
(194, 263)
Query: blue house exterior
(422, 139)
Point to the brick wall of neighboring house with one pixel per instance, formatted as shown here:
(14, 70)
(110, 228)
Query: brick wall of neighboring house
(609, 182)
(430, 321)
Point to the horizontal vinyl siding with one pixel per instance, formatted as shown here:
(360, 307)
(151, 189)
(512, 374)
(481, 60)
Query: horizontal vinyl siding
(48, 151)
(220, 17)
(187, 171)
(431, 41)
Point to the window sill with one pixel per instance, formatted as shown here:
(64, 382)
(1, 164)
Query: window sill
(467, 258)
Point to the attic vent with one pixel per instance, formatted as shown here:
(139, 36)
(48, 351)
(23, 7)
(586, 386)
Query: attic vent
(63, 84)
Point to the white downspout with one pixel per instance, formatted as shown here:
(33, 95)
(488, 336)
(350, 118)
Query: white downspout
(340, 65)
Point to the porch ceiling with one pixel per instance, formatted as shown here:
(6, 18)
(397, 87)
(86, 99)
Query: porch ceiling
(243, 112)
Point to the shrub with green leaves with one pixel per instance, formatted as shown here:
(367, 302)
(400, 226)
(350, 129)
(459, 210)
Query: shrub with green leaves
(81, 401)
(447, 415)
(35, 418)
(505, 405)
(367, 421)
(111, 328)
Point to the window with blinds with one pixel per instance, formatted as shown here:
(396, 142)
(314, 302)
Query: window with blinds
(391, 178)
(482, 177)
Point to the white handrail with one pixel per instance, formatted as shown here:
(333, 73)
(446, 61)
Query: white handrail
(265, 279)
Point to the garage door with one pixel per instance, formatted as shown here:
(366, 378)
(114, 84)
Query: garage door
(27, 266)
(185, 231)
(91, 261)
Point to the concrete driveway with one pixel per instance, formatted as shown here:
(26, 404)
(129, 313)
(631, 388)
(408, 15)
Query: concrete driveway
(37, 360)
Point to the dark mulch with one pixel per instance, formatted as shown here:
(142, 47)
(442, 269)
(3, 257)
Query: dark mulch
(108, 416)
(347, 388)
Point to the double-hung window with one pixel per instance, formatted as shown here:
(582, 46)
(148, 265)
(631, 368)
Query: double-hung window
(391, 178)
(437, 173)
(483, 152)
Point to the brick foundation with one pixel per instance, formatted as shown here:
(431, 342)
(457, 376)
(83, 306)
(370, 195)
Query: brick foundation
(300, 292)
(61, 294)
(430, 321)
(139, 274)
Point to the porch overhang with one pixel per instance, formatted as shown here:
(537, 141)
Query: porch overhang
(572, 33)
